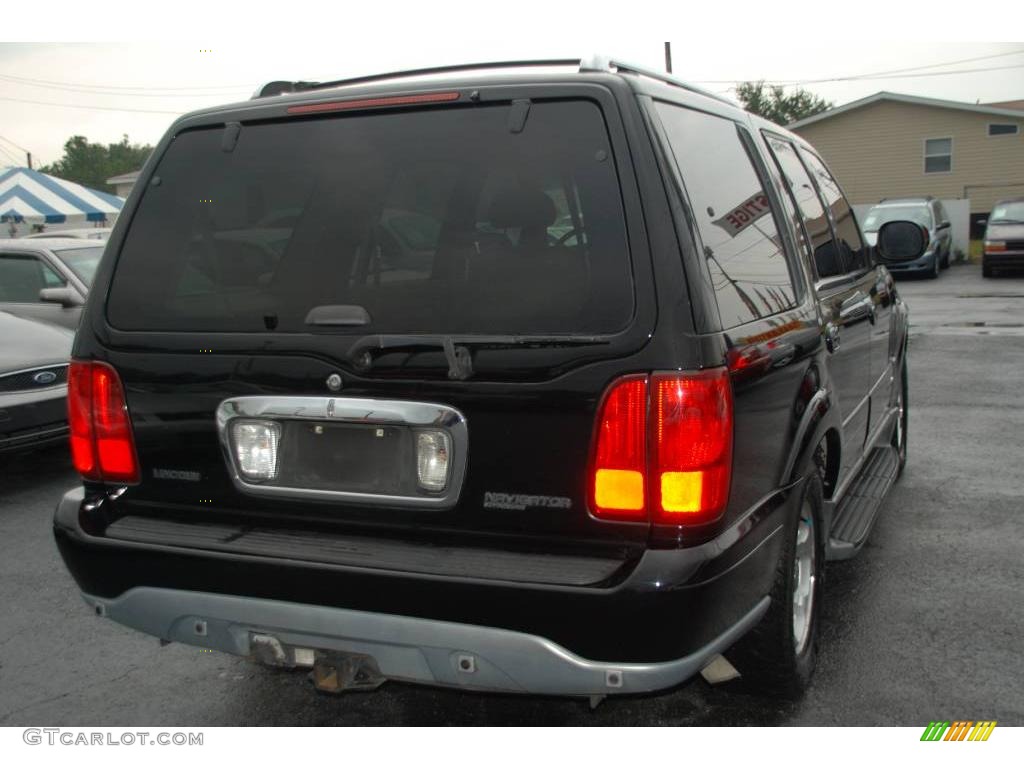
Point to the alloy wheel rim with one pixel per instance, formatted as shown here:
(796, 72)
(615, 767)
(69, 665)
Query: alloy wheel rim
(901, 446)
(804, 578)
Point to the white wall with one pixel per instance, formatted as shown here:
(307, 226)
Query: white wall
(959, 219)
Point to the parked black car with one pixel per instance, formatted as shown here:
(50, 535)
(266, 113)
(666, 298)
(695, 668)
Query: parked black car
(47, 278)
(555, 383)
(33, 383)
(1004, 237)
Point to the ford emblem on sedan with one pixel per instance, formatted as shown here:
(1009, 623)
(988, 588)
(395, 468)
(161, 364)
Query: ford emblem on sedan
(44, 377)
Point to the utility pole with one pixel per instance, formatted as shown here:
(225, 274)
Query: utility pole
(28, 155)
(668, 58)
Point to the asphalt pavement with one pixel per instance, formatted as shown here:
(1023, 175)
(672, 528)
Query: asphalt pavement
(925, 624)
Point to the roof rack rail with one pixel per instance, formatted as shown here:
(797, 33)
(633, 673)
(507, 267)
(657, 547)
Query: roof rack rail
(282, 86)
(606, 64)
(589, 64)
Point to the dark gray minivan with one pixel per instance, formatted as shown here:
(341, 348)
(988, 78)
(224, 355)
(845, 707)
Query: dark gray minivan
(1004, 237)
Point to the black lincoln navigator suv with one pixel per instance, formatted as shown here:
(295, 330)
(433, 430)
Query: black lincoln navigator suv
(561, 380)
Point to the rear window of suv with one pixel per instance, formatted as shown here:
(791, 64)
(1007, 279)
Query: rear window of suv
(434, 221)
(877, 216)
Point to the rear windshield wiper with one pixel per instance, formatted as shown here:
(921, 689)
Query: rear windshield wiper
(457, 350)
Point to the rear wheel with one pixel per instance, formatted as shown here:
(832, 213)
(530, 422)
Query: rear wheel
(986, 270)
(899, 437)
(936, 268)
(779, 655)
(945, 260)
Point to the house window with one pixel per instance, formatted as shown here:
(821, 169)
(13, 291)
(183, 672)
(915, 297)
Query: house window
(1003, 129)
(938, 155)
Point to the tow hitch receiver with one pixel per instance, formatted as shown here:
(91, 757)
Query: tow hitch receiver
(339, 672)
(333, 671)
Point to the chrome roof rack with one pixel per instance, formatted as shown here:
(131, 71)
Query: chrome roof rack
(607, 64)
(589, 64)
(281, 86)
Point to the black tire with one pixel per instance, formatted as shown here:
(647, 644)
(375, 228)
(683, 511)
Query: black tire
(936, 268)
(899, 436)
(770, 659)
(986, 270)
(945, 260)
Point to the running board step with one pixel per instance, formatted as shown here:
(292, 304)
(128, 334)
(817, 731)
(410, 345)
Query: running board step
(855, 516)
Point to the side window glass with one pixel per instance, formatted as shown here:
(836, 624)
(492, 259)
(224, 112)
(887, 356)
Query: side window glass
(741, 239)
(51, 278)
(848, 239)
(23, 276)
(815, 223)
(809, 218)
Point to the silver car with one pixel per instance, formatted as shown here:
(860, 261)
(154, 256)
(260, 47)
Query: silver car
(85, 233)
(33, 384)
(928, 212)
(47, 278)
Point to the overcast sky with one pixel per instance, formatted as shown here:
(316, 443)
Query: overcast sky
(137, 89)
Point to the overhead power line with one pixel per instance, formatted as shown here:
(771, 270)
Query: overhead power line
(16, 146)
(869, 75)
(140, 93)
(943, 64)
(89, 106)
(883, 77)
(3, 151)
(100, 86)
(901, 77)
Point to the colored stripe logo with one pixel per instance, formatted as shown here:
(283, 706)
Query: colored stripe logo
(959, 730)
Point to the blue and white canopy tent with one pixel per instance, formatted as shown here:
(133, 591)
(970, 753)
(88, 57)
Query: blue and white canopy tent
(30, 197)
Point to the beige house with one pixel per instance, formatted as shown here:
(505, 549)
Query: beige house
(892, 145)
(123, 184)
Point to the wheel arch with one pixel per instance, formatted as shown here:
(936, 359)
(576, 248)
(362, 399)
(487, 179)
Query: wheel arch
(816, 419)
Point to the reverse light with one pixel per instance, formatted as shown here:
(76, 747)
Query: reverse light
(663, 448)
(433, 454)
(102, 446)
(994, 246)
(255, 444)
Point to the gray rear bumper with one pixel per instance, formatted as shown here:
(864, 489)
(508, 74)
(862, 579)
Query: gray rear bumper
(405, 648)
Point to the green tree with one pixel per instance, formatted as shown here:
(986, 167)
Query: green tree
(92, 164)
(773, 103)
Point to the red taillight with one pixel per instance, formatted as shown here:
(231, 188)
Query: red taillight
(83, 450)
(691, 461)
(102, 447)
(678, 445)
(620, 456)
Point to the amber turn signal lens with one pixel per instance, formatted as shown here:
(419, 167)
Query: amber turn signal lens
(619, 489)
